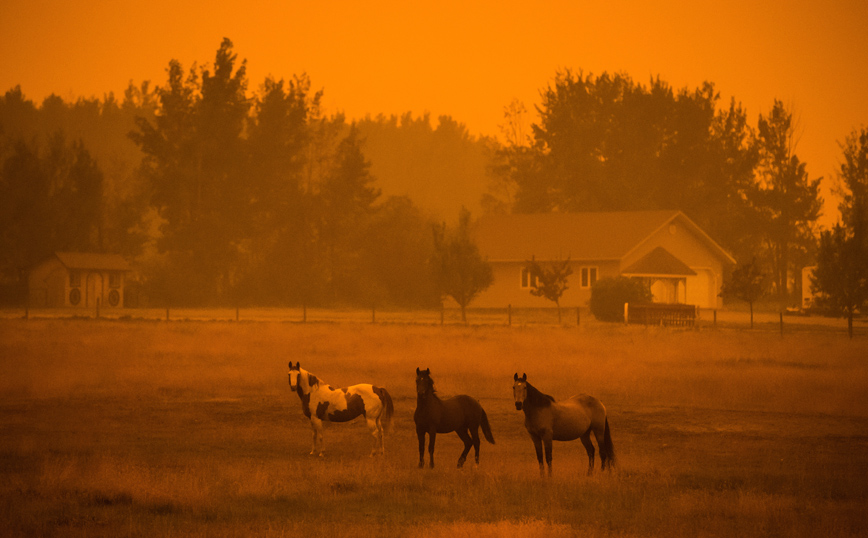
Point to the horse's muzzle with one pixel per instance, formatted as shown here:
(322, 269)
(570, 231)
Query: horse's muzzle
(518, 406)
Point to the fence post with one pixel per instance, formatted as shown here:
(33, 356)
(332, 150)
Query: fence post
(626, 313)
(782, 323)
(578, 316)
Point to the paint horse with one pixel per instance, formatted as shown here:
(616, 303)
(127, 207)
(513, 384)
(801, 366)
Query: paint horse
(547, 420)
(460, 414)
(321, 402)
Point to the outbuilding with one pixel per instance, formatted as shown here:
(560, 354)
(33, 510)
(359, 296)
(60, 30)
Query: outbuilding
(79, 280)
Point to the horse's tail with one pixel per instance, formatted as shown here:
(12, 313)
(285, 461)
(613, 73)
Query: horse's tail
(486, 428)
(608, 447)
(388, 407)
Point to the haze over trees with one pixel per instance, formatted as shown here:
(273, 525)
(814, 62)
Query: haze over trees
(227, 192)
(841, 276)
(607, 143)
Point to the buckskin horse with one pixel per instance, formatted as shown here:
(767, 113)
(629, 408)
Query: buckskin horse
(461, 414)
(548, 420)
(321, 402)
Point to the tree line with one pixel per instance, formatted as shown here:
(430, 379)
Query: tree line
(222, 195)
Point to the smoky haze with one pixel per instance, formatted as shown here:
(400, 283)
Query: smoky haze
(224, 190)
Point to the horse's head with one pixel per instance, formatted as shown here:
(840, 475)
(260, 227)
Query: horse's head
(519, 390)
(294, 372)
(424, 383)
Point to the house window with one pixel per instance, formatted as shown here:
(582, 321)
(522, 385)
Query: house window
(527, 281)
(114, 280)
(74, 279)
(589, 276)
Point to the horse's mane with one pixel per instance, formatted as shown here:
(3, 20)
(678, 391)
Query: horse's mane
(431, 383)
(538, 398)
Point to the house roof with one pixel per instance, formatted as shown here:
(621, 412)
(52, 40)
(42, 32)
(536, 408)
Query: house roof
(659, 262)
(92, 260)
(580, 236)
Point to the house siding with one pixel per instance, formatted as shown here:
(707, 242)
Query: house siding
(703, 289)
(506, 289)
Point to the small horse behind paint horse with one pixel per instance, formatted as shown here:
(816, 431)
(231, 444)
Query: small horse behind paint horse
(575, 418)
(321, 402)
(460, 414)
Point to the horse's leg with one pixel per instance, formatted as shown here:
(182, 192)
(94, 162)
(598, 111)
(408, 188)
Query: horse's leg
(317, 436)
(313, 445)
(465, 436)
(420, 433)
(432, 436)
(377, 433)
(547, 440)
(599, 434)
(475, 437)
(589, 446)
(537, 444)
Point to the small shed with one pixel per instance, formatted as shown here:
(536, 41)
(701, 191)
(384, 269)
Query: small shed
(78, 280)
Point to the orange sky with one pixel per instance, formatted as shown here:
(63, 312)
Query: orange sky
(466, 59)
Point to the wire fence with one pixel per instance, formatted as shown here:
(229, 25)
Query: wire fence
(568, 317)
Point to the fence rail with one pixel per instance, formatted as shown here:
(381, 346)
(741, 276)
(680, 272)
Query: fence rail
(508, 316)
(668, 315)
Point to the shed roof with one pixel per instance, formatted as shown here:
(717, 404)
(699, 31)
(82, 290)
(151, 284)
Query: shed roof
(580, 236)
(93, 260)
(659, 262)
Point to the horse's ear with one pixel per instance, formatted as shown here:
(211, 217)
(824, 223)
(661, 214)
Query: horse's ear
(427, 371)
(524, 377)
(297, 365)
(515, 377)
(418, 371)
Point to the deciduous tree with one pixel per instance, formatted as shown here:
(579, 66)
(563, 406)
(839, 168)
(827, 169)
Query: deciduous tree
(549, 281)
(459, 269)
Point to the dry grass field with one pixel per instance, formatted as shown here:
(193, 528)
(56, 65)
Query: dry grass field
(149, 428)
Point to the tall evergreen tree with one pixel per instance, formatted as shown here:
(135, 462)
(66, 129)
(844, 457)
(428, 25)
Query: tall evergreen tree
(786, 198)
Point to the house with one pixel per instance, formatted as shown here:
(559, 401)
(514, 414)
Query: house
(679, 261)
(78, 279)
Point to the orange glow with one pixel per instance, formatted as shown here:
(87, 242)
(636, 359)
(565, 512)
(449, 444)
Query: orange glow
(465, 59)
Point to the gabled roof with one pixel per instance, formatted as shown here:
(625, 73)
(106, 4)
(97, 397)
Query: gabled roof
(658, 262)
(580, 236)
(92, 260)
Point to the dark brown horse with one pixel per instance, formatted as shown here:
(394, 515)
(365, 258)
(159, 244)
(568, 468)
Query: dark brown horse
(547, 420)
(460, 414)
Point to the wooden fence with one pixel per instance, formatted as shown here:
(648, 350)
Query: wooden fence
(669, 315)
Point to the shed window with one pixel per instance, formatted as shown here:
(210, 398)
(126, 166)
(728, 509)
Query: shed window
(74, 279)
(114, 280)
(589, 276)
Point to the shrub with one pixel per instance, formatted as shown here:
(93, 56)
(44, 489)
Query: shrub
(608, 296)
